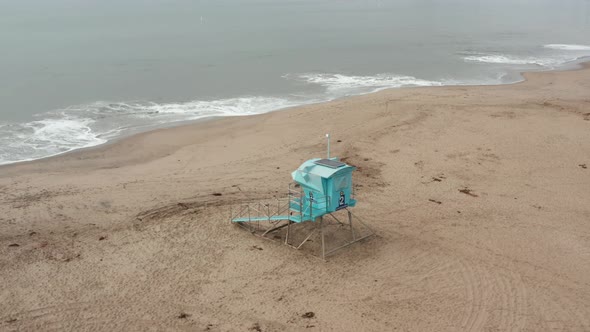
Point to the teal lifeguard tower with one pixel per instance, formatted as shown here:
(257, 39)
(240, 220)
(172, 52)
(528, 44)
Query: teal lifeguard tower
(327, 184)
(322, 189)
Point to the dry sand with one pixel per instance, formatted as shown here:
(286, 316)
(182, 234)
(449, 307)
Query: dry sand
(480, 197)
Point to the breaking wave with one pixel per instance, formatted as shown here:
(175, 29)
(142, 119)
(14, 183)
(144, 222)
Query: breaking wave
(550, 56)
(567, 47)
(43, 138)
(517, 60)
(342, 85)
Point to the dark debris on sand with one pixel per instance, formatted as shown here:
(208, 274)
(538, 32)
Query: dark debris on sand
(467, 191)
(183, 315)
(256, 327)
(309, 314)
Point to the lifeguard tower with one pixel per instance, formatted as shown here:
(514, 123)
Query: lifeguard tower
(321, 195)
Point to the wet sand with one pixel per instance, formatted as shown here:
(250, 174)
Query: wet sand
(479, 195)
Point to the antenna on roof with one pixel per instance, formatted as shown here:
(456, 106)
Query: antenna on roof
(328, 137)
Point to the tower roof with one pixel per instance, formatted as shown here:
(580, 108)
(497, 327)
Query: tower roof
(312, 171)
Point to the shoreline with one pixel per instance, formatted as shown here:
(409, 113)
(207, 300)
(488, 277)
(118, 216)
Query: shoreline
(577, 64)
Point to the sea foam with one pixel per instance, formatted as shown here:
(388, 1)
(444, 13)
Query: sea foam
(342, 85)
(44, 138)
(567, 47)
(516, 60)
(560, 54)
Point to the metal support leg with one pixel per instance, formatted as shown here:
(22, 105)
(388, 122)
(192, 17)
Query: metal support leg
(288, 229)
(322, 235)
(274, 229)
(307, 238)
(350, 223)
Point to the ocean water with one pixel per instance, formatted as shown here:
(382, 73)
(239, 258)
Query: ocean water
(76, 74)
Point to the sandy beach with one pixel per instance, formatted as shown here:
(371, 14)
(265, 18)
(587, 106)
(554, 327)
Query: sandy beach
(479, 195)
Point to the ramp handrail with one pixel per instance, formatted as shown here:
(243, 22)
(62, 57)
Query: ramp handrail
(261, 209)
(271, 210)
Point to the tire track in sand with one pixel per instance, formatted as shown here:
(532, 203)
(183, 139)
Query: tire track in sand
(494, 299)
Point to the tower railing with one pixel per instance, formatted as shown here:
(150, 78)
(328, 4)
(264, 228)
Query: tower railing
(308, 208)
